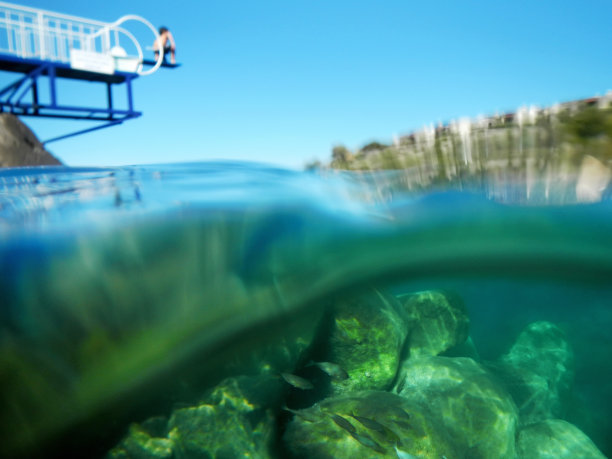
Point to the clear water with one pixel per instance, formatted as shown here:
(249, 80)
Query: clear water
(129, 294)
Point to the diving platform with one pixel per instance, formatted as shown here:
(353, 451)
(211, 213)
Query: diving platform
(42, 47)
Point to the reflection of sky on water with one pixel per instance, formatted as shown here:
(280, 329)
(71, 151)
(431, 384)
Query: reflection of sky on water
(53, 196)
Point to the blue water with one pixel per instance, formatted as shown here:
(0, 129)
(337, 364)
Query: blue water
(127, 290)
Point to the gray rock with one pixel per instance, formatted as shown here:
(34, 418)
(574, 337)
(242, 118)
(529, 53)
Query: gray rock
(538, 372)
(366, 424)
(462, 399)
(19, 146)
(367, 337)
(439, 321)
(555, 439)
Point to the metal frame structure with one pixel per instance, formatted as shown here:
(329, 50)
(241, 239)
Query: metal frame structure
(45, 46)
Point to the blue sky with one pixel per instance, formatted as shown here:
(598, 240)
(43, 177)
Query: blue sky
(283, 81)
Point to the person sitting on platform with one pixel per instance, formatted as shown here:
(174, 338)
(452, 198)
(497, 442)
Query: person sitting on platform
(165, 43)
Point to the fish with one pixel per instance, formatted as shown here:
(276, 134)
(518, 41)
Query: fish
(345, 424)
(403, 454)
(370, 423)
(367, 441)
(402, 424)
(297, 381)
(393, 437)
(306, 415)
(336, 372)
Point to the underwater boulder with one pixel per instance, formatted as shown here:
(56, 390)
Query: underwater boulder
(439, 321)
(145, 441)
(555, 438)
(367, 338)
(538, 372)
(368, 424)
(233, 420)
(462, 399)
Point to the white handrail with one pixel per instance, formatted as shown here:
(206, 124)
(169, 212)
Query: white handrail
(45, 35)
(51, 13)
(134, 17)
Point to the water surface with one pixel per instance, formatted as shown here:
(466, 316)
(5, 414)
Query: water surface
(129, 293)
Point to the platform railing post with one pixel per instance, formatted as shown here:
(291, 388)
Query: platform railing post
(35, 97)
(107, 40)
(41, 35)
(128, 82)
(9, 33)
(22, 37)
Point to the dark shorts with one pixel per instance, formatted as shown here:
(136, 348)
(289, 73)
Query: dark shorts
(167, 50)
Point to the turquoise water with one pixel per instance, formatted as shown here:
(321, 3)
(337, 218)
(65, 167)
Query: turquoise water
(165, 311)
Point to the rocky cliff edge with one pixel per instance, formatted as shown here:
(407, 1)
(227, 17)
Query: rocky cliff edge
(19, 146)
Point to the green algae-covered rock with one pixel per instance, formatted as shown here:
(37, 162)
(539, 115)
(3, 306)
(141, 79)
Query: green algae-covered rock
(439, 321)
(234, 420)
(366, 340)
(460, 398)
(538, 372)
(369, 424)
(146, 441)
(555, 439)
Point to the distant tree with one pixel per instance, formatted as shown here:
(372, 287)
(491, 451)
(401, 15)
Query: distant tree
(608, 123)
(607, 149)
(374, 146)
(440, 158)
(341, 157)
(390, 160)
(586, 124)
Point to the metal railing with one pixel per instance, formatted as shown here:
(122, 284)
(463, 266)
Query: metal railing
(31, 33)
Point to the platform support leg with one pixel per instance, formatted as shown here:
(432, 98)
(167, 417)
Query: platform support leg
(35, 97)
(52, 92)
(128, 82)
(109, 96)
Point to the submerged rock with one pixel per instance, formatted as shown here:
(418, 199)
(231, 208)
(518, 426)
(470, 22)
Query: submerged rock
(369, 424)
(439, 321)
(555, 438)
(461, 399)
(366, 340)
(538, 372)
(146, 441)
(234, 420)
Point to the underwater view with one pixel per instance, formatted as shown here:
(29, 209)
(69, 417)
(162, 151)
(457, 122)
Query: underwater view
(234, 310)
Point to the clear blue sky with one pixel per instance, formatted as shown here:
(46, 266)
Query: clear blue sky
(283, 81)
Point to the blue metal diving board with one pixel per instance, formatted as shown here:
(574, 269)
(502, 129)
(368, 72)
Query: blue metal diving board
(44, 46)
(168, 65)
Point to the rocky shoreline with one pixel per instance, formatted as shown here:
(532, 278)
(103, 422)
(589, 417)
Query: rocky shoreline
(20, 147)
